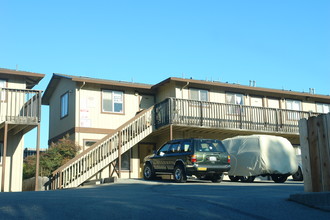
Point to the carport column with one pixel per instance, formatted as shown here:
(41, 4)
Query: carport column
(171, 132)
(119, 154)
(38, 159)
(4, 158)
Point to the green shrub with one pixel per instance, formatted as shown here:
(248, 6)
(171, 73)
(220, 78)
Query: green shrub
(56, 155)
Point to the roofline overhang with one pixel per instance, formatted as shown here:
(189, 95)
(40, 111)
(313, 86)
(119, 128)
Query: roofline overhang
(246, 89)
(32, 79)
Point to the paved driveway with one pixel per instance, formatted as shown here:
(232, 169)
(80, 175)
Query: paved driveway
(139, 199)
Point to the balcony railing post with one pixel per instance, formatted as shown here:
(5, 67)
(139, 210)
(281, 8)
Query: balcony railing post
(201, 114)
(277, 119)
(240, 116)
(170, 112)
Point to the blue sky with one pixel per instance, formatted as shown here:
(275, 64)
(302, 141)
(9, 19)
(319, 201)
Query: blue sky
(282, 44)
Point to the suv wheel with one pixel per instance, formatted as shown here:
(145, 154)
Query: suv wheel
(217, 178)
(148, 173)
(179, 174)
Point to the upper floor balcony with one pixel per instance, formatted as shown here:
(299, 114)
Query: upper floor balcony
(21, 108)
(182, 112)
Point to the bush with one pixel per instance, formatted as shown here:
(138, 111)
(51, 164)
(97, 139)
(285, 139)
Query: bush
(57, 155)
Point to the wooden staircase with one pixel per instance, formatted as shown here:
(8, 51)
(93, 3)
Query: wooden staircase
(104, 152)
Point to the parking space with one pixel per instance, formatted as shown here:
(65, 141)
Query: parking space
(162, 199)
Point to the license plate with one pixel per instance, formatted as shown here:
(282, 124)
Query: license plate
(213, 159)
(202, 168)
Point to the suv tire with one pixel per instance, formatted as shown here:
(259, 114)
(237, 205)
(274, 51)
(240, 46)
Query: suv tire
(148, 172)
(179, 174)
(217, 178)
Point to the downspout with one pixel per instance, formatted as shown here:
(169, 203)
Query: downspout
(79, 112)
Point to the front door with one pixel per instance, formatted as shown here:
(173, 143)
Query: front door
(144, 150)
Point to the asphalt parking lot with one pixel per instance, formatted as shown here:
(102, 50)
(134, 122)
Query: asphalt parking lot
(162, 199)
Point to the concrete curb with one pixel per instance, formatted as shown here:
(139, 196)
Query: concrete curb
(319, 200)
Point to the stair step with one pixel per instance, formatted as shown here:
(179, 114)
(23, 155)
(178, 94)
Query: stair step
(100, 181)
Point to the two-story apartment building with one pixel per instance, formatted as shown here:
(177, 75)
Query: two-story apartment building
(20, 109)
(110, 118)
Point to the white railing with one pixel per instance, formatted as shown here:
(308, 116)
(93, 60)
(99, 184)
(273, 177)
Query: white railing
(228, 116)
(101, 154)
(20, 105)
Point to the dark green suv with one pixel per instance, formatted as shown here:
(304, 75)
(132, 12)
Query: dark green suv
(203, 158)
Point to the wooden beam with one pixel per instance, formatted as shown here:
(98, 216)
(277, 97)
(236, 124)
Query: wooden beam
(38, 159)
(4, 158)
(171, 132)
(119, 153)
(305, 157)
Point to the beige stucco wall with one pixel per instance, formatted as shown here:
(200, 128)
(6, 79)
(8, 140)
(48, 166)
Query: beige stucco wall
(166, 91)
(16, 83)
(58, 125)
(90, 115)
(90, 101)
(309, 106)
(14, 164)
(15, 146)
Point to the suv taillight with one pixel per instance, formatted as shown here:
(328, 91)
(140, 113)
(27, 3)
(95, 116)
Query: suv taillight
(194, 158)
(228, 158)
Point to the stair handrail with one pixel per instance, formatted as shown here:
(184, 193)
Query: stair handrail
(100, 142)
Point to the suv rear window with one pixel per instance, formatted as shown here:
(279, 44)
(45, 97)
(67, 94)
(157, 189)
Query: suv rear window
(210, 146)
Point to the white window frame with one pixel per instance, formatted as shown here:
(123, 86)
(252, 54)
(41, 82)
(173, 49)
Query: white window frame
(117, 97)
(322, 108)
(200, 92)
(235, 99)
(292, 104)
(64, 105)
(3, 84)
(295, 105)
(238, 98)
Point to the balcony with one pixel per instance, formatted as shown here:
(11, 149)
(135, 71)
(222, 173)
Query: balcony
(212, 115)
(20, 108)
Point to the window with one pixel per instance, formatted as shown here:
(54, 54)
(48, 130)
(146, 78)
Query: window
(293, 105)
(89, 143)
(175, 148)
(125, 161)
(199, 95)
(210, 146)
(236, 99)
(64, 105)
(3, 92)
(322, 108)
(187, 147)
(164, 149)
(112, 101)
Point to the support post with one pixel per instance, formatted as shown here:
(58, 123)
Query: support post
(4, 158)
(171, 132)
(119, 154)
(38, 158)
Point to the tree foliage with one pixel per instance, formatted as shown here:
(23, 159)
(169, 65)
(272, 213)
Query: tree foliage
(57, 155)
